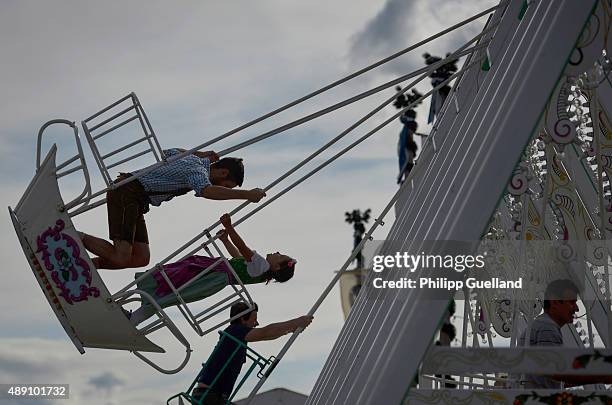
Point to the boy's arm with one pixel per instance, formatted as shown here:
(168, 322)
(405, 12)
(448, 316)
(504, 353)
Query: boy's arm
(229, 246)
(276, 330)
(244, 250)
(223, 193)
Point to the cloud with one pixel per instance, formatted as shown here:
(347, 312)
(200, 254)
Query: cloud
(107, 381)
(383, 31)
(17, 368)
(399, 24)
(90, 376)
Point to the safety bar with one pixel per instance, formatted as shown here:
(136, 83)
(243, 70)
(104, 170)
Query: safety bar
(90, 129)
(240, 294)
(85, 195)
(145, 123)
(67, 172)
(136, 142)
(195, 322)
(116, 103)
(106, 121)
(223, 301)
(111, 129)
(258, 361)
(243, 288)
(273, 362)
(123, 298)
(127, 159)
(182, 304)
(67, 162)
(246, 311)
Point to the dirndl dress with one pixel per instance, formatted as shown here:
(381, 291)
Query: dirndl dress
(182, 271)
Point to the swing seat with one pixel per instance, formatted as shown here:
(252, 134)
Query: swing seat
(265, 368)
(69, 281)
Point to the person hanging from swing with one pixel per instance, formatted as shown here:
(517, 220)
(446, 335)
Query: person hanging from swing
(216, 380)
(202, 172)
(248, 265)
(406, 146)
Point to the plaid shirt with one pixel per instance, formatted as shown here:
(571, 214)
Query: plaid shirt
(189, 172)
(544, 332)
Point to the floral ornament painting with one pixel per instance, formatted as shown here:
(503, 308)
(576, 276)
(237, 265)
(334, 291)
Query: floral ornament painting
(69, 271)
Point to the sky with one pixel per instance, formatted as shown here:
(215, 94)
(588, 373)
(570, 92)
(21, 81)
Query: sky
(200, 69)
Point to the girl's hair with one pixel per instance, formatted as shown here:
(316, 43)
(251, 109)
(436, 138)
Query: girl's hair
(284, 273)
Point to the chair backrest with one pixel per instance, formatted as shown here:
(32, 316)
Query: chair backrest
(109, 120)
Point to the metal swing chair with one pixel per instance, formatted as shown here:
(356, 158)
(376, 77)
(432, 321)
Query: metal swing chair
(258, 361)
(91, 316)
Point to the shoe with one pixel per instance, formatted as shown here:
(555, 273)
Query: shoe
(127, 313)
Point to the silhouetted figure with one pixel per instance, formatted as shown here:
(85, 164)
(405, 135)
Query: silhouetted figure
(406, 146)
(438, 76)
(358, 219)
(448, 333)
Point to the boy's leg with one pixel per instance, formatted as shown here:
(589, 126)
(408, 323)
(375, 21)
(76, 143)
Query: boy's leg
(140, 254)
(98, 246)
(95, 245)
(121, 254)
(126, 230)
(110, 256)
(140, 247)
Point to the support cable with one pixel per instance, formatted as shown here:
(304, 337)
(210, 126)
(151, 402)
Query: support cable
(326, 146)
(309, 174)
(408, 183)
(285, 107)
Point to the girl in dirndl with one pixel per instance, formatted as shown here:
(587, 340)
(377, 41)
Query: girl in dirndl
(247, 264)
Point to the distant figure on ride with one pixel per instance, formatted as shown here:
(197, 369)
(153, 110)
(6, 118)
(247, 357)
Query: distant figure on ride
(201, 172)
(248, 265)
(243, 329)
(560, 307)
(406, 146)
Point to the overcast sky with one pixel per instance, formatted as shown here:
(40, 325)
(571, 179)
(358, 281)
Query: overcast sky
(200, 69)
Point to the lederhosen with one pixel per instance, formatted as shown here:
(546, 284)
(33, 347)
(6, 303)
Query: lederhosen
(126, 206)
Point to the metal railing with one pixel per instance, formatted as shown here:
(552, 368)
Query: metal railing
(195, 320)
(95, 130)
(258, 361)
(85, 195)
(129, 296)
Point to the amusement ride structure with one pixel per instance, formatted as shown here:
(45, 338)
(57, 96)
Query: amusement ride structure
(520, 151)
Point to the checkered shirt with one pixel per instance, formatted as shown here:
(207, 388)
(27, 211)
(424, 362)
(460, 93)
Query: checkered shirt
(188, 172)
(544, 332)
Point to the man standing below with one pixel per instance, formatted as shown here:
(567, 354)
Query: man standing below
(245, 330)
(201, 172)
(560, 306)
